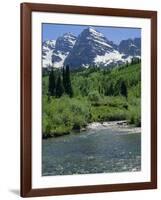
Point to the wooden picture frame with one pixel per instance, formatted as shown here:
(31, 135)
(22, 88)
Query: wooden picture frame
(26, 99)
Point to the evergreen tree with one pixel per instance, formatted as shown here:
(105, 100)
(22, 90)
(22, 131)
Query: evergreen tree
(132, 61)
(64, 79)
(123, 89)
(111, 90)
(59, 87)
(68, 86)
(52, 85)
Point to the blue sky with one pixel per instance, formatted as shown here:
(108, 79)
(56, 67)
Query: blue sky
(115, 34)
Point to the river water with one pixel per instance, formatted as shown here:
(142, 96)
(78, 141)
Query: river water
(92, 151)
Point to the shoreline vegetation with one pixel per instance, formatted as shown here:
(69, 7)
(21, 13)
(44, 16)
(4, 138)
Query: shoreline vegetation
(95, 97)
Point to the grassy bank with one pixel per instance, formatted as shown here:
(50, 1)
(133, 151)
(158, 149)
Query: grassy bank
(97, 96)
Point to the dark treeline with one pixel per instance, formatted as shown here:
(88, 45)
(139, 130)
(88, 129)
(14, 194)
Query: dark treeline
(135, 61)
(117, 88)
(60, 83)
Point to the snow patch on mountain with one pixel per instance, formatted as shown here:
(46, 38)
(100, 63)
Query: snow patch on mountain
(47, 52)
(94, 32)
(102, 43)
(108, 58)
(62, 56)
(47, 59)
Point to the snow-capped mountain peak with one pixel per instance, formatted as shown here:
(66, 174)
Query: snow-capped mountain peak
(49, 43)
(63, 46)
(90, 44)
(94, 32)
(98, 37)
(130, 47)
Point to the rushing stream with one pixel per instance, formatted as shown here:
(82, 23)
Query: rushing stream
(99, 151)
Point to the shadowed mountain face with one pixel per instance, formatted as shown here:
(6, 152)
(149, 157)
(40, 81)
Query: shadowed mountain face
(89, 48)
(130, 47)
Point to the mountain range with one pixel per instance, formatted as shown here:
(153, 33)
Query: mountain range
(90, 48)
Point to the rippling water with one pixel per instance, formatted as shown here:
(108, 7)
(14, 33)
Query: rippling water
(101, 151)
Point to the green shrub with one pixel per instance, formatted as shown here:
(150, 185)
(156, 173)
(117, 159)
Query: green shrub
(62, 115)
(94, 96)
(134, 115)
(105, 113)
